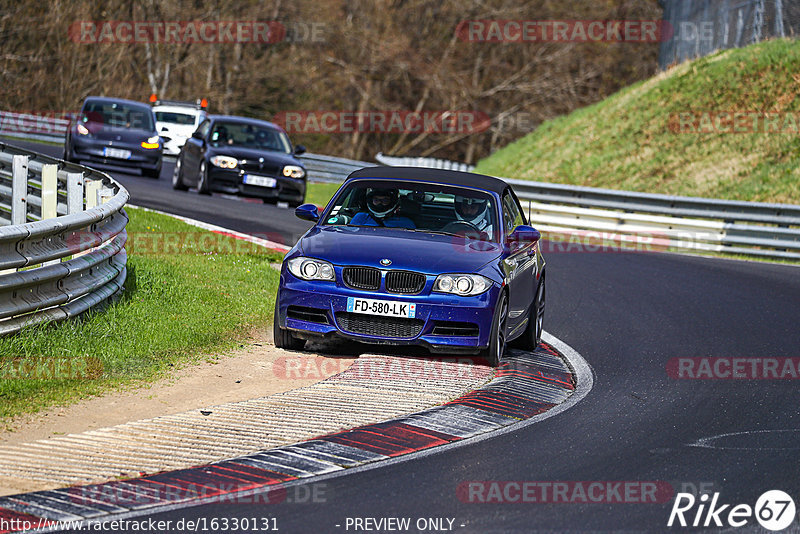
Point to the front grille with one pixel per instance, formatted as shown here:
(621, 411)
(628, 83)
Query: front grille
(379, 326)
(454, 329)
(312, 315)
(404, 282)
(265, 169)
(362, 278)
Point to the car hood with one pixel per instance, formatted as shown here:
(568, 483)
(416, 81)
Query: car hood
(280, 158)
(407, 250)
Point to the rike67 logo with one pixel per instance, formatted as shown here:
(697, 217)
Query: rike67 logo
(774, 510)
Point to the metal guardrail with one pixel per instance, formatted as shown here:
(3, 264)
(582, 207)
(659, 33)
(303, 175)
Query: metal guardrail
(642, 220)
(675, 222)
(62, 238)
(432, 163)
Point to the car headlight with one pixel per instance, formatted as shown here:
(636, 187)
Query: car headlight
(310, 269)
(225, 162)
(293, 171)
(152, 142)
(466, 285)
(83, 130)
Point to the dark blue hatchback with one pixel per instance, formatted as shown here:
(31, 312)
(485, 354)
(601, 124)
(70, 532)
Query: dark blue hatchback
(414, 256)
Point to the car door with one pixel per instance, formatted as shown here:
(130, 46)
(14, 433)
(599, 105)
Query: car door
(192, 153)
(519, 265)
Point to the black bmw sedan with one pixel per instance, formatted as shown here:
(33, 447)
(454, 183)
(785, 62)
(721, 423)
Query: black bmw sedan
(242, 156)
(116, 132)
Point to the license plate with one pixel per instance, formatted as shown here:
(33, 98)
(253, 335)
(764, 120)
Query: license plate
(388, 308)
(263, 181)
(116, 153)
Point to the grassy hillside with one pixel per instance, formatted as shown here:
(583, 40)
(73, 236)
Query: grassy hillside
(633, 140)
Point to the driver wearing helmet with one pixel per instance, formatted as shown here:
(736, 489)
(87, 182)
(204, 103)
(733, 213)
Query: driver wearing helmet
(382, 205)
(473, 211)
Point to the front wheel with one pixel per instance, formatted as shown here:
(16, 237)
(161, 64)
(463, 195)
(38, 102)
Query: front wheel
(177, 176)
(283, 337)
(532, 335)
(497, 340)
(203, 187)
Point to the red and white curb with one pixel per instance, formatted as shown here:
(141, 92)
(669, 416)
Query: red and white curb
(528, 387)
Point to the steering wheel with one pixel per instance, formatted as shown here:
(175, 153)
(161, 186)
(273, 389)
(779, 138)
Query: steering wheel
(457, 227)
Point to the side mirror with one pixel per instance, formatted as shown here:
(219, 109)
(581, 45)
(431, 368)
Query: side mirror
(197, 135)
(164, 129)
(523, 235)
(307, 212)
(299, 149)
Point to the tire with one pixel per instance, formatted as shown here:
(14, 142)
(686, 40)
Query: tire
(177, 176)
(203, 187)
(283, 337)
(295, 204)
(497, 341)
(532, 335)
(272, 201)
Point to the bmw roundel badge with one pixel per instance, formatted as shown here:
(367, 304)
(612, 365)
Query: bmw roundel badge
(386, 261)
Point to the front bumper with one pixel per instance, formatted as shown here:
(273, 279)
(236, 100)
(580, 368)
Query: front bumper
(230, 181)
(446, 323)
(88, 149)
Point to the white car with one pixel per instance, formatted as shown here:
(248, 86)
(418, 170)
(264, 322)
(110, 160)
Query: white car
(176, 121)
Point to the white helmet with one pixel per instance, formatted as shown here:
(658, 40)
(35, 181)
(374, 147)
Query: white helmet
(381, 202)
(470, 209)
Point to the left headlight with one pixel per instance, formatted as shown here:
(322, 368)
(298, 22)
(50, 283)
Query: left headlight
(466, 285)
(225, 162)
(293, 171)
(310, 268)
(152, 142)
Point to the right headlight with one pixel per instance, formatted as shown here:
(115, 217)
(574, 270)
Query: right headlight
(293, 171)
(225, 162)
(466, 285)
(311, 269)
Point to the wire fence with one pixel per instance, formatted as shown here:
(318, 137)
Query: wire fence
(701, 27)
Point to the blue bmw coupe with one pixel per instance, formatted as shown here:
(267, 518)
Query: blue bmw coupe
(415, 256)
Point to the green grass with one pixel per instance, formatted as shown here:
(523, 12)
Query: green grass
(320, 193)
(629, 142)
(180, 303)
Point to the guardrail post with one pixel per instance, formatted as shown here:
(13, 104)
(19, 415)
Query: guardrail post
(19, 190)
(92, 187)
(74, 192)
(104, 195)
(49, 191)
(50, 197)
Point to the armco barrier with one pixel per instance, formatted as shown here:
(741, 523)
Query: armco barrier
(679, 223)
(62, 238)
(665, 222)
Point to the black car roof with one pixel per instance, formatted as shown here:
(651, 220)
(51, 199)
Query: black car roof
(115, 100)
(244, 120)
(467, 179)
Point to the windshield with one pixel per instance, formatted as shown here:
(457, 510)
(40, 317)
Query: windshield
(247, 135)
(118, 115)
(172, 117)
(416, 206)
